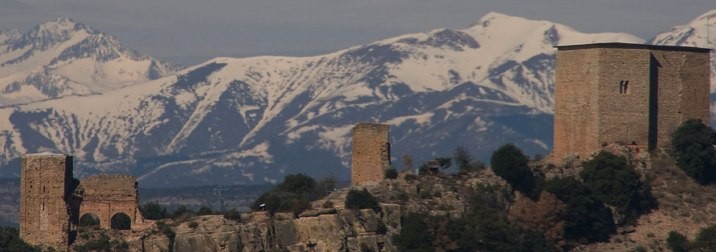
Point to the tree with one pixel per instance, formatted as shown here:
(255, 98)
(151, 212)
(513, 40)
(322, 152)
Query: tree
(292, 194)
(153, 211)
(413, 235)
(587, 219)
(692, 146)
(10, 240)
(204, 210)
(361, 200)
(510, 164)
(615, 183)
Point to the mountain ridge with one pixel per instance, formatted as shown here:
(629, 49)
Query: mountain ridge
(253, 120)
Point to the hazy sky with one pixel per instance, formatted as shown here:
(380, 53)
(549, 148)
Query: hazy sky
(191, 31)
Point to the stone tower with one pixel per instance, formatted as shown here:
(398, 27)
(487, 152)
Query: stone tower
(370, 153)
(626, 93)
(46, 181)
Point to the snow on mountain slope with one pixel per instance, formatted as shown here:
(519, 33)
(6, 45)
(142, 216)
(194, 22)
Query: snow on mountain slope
(253, 120)
(696, 33)
(62, 57)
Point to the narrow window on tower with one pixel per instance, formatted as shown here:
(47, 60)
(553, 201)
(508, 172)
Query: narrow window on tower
(624, 87)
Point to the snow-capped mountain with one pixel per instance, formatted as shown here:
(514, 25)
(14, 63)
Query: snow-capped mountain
(62, 57)
(700, 32)
(252, 120)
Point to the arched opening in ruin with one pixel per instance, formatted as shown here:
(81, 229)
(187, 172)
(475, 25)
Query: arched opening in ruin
(121, 221)
(88, 220)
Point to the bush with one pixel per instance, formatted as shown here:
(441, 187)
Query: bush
(204, 210)
(413, 235)
(193, 225)
(705, 240)
(510, 164)
(293, 194)
(233, 214)
(298, 183)
(181, 212)
(391, 173)
(677, 242)
(615, 183)
(586, 218)
(10, 240)
(410, 177)
(361, 200)
(465, 162)
(692, 147)
(153, 211)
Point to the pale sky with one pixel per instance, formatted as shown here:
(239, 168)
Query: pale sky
(192, 31)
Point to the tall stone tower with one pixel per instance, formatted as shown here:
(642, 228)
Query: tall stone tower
(627, 93)
(370, 153)
(45, 185)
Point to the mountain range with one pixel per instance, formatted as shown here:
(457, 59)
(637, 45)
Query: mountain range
(254, 120)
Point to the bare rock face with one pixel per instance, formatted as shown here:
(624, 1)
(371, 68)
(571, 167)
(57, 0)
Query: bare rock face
(207, 233)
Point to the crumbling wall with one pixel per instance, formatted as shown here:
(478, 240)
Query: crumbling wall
(370, 153)
(44, 188)
(107, 195)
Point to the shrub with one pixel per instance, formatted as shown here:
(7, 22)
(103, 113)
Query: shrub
(586, 218)
(233, 214)
(298, 183)
(182, 211)
(510, 164)
(465, 162)
(361, 200)
(391, 173)
(193, 225)
(614, 182)
(692, 147)
(706, 239)
(677, 242)
(410, 177)
(10, 240)
(204, 210)
(292, 194)
(413, 235)
(153, 211)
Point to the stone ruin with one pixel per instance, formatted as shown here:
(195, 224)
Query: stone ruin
(52, 201)
(370, 153)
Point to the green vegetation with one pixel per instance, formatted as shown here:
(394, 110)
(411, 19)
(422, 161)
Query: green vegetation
(233, 214)
(587, 219)
(10, 241)
(464, 161)
(615, 183)
(361, 200)
(102, 243)
(677, 242)
(510, 164)
(484, 227)
(204, 210)
(692, 147)
(391, 173)
(705, 241)
(153, 211)
(293, 194)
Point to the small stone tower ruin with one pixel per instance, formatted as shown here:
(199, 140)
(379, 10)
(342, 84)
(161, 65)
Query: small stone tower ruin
(45, 188)
(370, 153)
(626, 93)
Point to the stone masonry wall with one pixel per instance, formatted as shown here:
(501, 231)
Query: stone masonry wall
(627, 94)
(44, 210)
(370, 153)
(108, 195)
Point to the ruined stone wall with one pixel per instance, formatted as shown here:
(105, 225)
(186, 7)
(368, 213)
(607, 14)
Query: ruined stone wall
(370, 152)
(45, 184)
(627, 94)
(107, 195)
